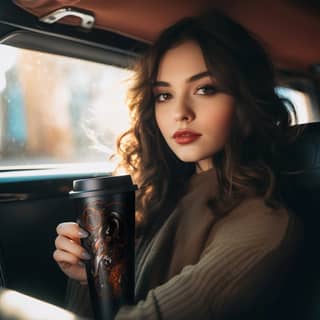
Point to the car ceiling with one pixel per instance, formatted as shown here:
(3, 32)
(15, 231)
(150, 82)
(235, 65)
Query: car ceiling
(289, 29)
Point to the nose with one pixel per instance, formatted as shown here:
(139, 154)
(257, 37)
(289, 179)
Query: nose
(183, 111)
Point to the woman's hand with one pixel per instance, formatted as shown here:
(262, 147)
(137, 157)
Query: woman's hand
(69, 252)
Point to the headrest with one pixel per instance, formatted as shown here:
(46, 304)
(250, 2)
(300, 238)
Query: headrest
(300, 170)
(302, 158)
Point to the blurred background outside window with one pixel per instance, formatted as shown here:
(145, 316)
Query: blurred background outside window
(59, 110)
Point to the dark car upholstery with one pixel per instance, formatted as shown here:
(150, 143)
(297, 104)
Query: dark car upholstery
(300, 187)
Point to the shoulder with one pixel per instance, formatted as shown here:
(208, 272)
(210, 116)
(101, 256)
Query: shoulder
(257, 248)
(254, 223)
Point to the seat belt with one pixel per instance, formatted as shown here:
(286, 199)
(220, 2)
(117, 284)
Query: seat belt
(2, 274)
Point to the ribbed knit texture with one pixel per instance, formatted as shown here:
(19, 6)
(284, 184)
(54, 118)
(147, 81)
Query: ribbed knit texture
(197, 266)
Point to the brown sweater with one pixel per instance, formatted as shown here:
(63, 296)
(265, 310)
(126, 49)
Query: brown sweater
(197, 266)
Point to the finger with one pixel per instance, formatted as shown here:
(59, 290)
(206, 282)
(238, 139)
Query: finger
(64, 258)
(71, 230)
(70, 246)
(67, 264)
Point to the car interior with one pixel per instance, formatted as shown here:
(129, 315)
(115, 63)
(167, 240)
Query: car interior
(57, 59)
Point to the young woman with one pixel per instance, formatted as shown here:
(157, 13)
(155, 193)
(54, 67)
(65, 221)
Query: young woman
(213, 238)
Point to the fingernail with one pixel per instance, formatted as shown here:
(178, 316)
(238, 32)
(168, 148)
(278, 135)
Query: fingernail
(83, 234)
(81, 264)
(85, 255)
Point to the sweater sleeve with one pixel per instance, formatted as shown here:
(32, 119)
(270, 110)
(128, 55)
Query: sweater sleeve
(77, 299)
(242, 274)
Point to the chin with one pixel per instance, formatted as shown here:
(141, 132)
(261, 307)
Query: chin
(193, 154)
(188, 158)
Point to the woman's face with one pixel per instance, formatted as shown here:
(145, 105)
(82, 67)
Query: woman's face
(187, 97)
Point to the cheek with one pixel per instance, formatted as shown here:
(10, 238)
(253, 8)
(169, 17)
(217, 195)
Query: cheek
(224, 118)
(220, 121)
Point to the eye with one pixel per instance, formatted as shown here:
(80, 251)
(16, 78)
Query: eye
(161, 97)
(207, 90)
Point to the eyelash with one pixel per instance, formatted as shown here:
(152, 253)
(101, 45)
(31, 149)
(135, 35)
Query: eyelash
(210, 87)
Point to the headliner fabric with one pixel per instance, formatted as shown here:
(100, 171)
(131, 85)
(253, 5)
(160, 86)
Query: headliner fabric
(288, 29)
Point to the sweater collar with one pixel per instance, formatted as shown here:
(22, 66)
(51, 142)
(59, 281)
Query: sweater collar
(204, 180)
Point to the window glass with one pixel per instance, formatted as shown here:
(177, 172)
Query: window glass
(59, 110)
(301, 103)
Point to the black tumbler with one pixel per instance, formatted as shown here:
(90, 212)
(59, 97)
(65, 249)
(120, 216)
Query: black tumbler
(106, 210)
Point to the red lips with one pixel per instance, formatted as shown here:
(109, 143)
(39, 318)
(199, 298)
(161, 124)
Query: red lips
(185, 136)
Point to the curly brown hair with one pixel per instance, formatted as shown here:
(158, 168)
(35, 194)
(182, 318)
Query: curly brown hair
(248, 163)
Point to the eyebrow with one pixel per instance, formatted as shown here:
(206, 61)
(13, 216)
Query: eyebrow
(191, 79)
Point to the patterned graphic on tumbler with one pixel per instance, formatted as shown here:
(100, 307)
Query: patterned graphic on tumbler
(107, 242)
(106, 210)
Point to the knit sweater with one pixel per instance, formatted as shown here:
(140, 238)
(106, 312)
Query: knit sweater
(199, 266)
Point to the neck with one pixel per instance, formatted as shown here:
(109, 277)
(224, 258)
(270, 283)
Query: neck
(204, 165)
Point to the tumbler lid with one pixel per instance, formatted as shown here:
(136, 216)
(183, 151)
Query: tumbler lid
(101, 185)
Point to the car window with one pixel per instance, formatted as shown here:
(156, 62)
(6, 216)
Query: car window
(57, 110)
(301, 103)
